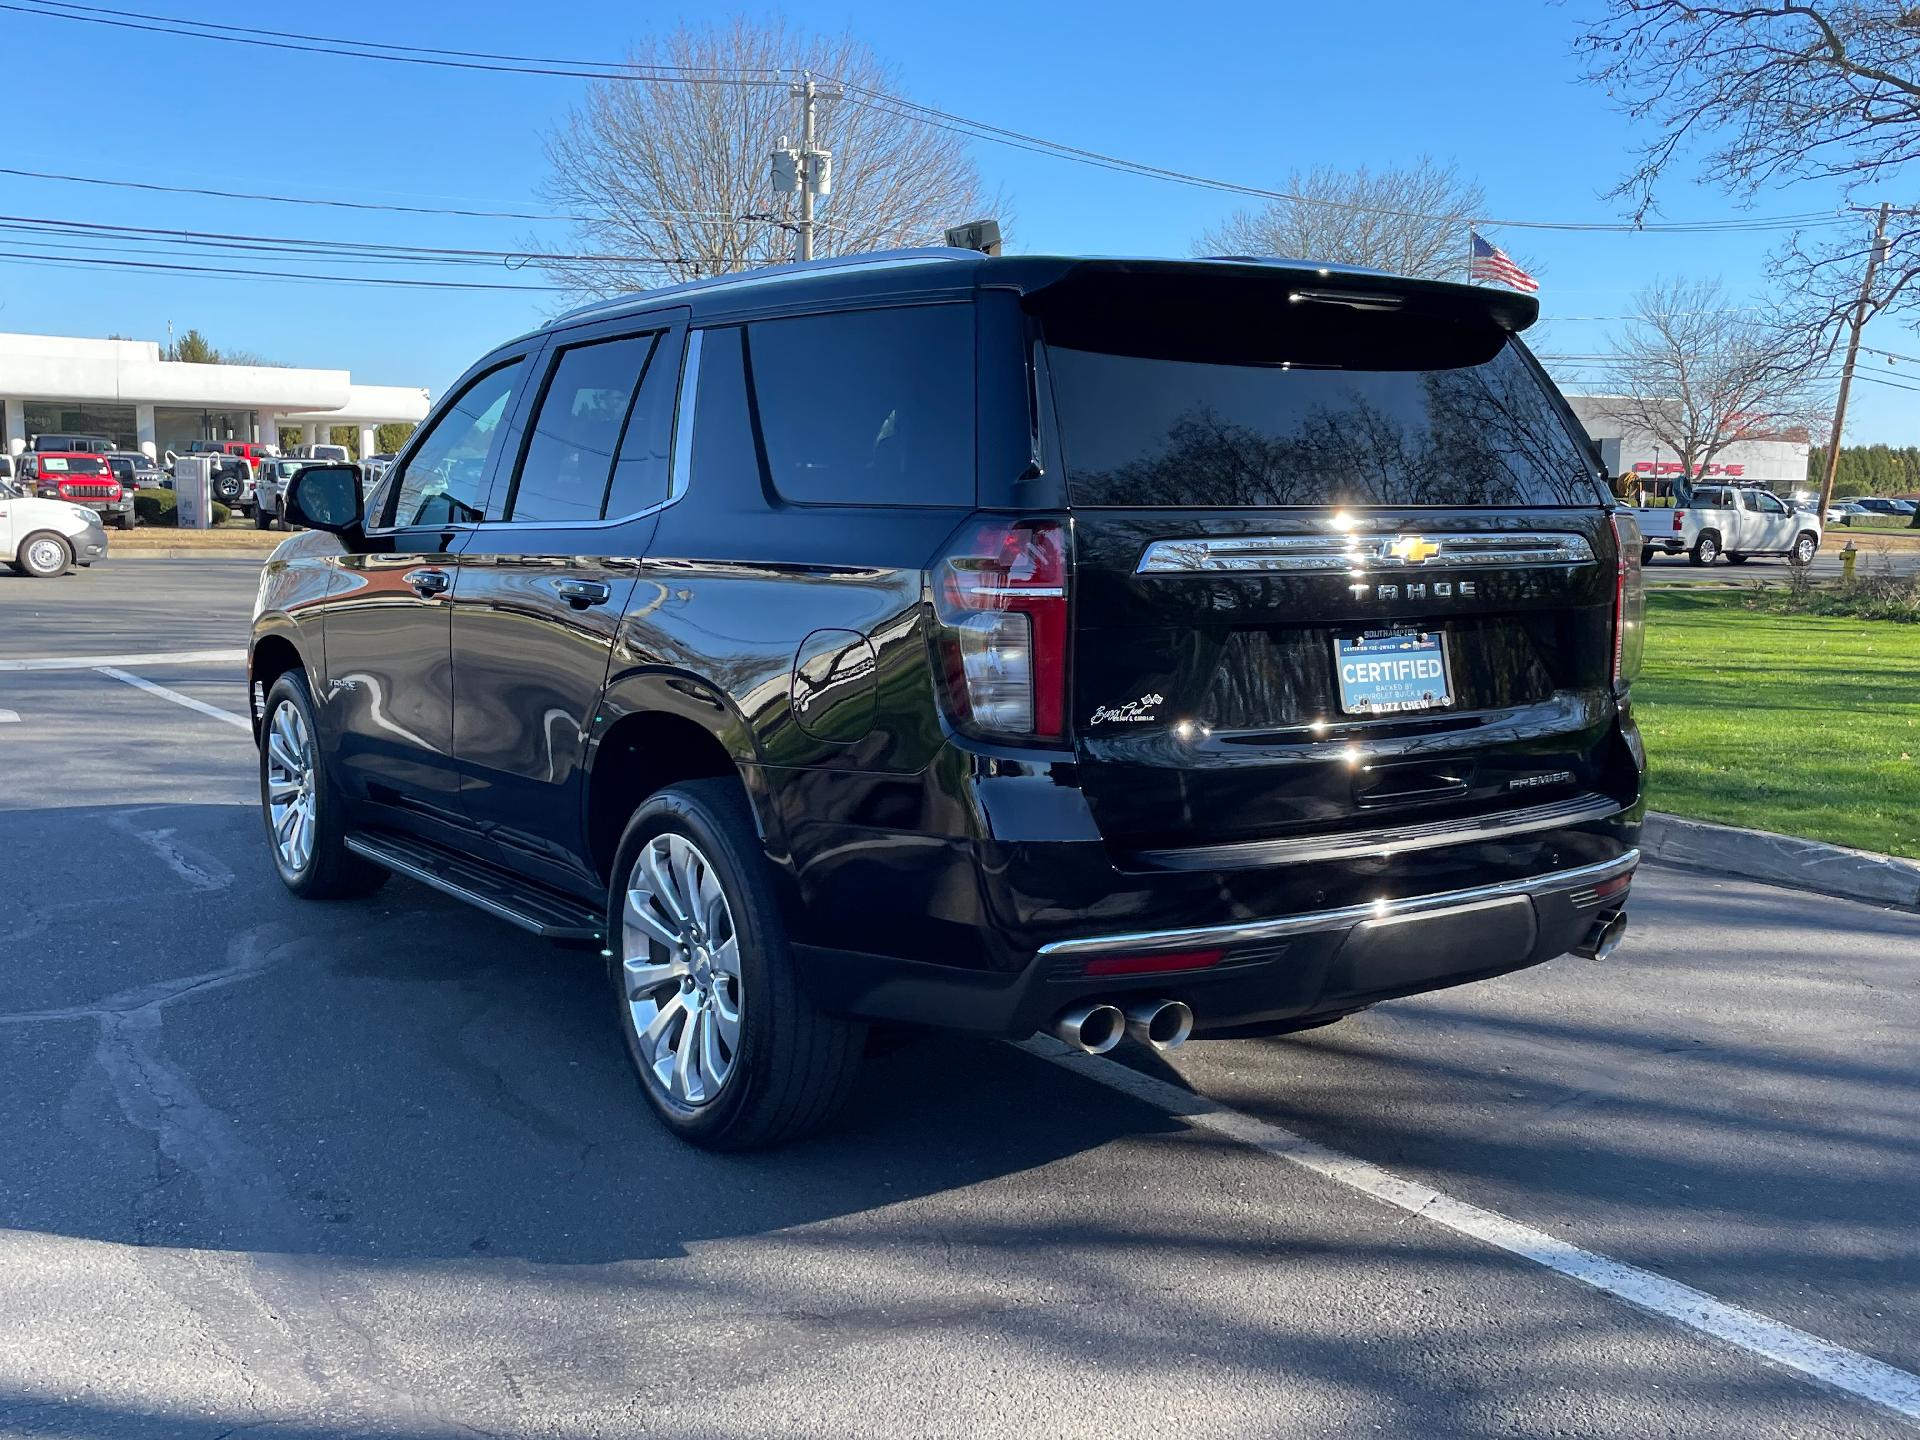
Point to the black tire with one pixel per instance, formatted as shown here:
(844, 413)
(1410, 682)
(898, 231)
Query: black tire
(261, 520)
(794, 1067)
(1804, 549)
(331, 871)
(1646, 556)
(1705, 550)
(36, 559)
(1737, 558)
(125, 522)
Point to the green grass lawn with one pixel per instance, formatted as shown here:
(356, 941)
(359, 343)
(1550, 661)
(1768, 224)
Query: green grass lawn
(1801, 724)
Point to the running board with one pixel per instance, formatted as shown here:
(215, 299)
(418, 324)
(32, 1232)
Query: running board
(499, 892)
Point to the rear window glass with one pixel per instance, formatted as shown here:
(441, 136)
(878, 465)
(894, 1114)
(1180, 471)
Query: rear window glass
(867, 407)
(1314, 405)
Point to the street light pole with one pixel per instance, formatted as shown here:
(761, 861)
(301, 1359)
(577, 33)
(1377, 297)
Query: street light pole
(1874, 256)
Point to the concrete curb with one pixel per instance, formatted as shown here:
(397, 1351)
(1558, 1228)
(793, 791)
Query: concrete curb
(1782, 860)
(188, 552)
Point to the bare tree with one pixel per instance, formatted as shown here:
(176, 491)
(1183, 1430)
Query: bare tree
(1790, 90)
(1412, 220)
(674, 172)
(1697, 374)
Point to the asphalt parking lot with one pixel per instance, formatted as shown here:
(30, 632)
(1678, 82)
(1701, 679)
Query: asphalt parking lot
(378, 1168)
(1675, 569)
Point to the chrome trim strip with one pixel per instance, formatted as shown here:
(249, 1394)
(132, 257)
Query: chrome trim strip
(1293, 553)
(1254, 931)
(681, 474)
(770, 275)
(1394, 840)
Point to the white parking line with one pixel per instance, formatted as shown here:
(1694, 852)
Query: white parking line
(96, 662)
(177, 698)
(1848, 1370)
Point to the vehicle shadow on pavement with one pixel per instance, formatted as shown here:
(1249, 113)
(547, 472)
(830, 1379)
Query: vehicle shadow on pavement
(403, 1078)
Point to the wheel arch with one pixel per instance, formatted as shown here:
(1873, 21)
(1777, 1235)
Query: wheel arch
(272, 655)
(658, 728)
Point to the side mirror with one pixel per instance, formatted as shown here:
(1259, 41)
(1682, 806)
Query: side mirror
(327, 497)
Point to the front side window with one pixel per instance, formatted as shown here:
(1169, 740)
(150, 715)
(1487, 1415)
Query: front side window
(577, 435)
(868, 407)
(445, 473)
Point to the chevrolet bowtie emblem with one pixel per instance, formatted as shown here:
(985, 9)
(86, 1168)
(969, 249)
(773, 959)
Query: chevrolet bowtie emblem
(1413, 549)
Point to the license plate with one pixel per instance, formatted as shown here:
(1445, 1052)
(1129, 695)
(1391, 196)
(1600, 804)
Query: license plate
(1392, 671)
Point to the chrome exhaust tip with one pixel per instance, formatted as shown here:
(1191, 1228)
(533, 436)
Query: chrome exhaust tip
(1605, 936)
(1095, 1029)
(1161, 1024)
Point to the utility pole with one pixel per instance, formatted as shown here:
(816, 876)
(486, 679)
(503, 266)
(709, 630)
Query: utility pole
(1874, 256)
(808, 169)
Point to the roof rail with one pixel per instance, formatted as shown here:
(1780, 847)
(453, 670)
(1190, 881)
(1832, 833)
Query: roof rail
(773, 274)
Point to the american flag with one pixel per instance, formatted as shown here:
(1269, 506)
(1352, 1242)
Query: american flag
(1490, 262)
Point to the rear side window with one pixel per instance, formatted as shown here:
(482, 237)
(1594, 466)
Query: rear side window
(575, 439)
(1311, 405)
(442, 482)
(867, 407)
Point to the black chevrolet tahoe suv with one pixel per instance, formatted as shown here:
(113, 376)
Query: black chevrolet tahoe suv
(1000, 644)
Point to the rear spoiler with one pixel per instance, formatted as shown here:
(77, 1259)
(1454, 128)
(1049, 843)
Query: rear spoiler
(1042, 279)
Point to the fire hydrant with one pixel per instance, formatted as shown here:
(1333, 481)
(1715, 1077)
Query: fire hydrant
(1849, 557)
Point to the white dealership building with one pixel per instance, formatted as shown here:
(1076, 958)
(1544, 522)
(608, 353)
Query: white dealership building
(124, 390)
(1778, 462)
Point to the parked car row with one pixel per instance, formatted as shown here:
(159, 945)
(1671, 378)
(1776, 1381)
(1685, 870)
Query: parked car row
(1846, 509)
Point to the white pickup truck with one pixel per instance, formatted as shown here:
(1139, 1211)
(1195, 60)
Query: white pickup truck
(1738, 521)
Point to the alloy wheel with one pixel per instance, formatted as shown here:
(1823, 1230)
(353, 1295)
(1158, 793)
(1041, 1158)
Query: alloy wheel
(1804, 551)
(680, 963)
(290, 787)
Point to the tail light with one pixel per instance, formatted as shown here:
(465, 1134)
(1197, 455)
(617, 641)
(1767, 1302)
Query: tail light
(1629, 601)
(1678, 516)
(1000, 597)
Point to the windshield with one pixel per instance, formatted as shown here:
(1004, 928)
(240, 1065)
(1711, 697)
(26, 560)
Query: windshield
(73, 464)
(1318, 404)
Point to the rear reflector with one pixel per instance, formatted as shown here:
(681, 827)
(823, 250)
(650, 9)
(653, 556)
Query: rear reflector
(1607, 889)
(1153, 964)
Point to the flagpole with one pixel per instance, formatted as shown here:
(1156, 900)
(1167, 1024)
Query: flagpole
(1469, 252)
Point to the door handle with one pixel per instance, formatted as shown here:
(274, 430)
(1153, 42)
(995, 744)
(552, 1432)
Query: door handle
(582, 593)
(428, 583)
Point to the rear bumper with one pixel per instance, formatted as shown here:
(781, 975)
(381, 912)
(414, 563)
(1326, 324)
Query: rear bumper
(1274, 971)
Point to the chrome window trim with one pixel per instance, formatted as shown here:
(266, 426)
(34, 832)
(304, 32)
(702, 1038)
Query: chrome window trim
(1283, 554)
(770, 275)
(677, 466)
(1256, 931)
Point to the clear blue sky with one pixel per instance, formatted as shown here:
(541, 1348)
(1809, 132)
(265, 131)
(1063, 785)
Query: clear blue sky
(1244, 91)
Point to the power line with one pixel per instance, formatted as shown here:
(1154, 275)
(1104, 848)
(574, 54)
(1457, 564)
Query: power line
(367, 249)
(154, 186)
(172, 25)
(725, 70)
(143, 265)
(343, 47)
